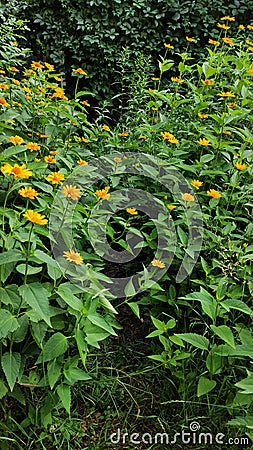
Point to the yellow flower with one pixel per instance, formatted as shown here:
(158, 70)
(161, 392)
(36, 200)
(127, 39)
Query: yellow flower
(208, 82)
(151, 90)
(46, 136)
(54, 152)
(168, 46)
(166, 135)
(117, 160)
(154, 108)
(28, 97)
(105, 128)
(241, 166)
(232, 105)
(103, 193)
(16, 140)
(196, 183)
(36, 65)
(132, 211)
(50, 160)
(59, 93)
(125, 133)
(231, 19)
(250, 49)
(202, 116)
(13, 69)
(26, 89)
(73, 256)
(142, 136)
(177, 80)
(71, 191)
(16, 170)
(213, 193)
(82, 162)
(203, 141)
(32, 146)
(49, 66)
(188, 197)
(28, 192)
(155, 79)
(189, 39)
(14, 43)
(37, 159)
(226, 94)
(250, 71)
(158, 263)
(79, 71)
(16, 82)
(84, 103)
(2, 72)
(228, 41)
(241, 27)
(224, 27)
(3, 102)
(55, 177)
(4, 86)
(249, 42)
(171, 207)
(226, 132)
(57, 78)
(35, 217)
(213, 42)
(245, 245)
(250, 27)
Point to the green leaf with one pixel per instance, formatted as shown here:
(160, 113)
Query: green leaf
(65, 396)
(55, 346)
(81, 344)
(3, 389)
(65, 292)
(246, 385)
(236, 304)
(53, 372)
(74, 374)
(11, 365)
(36, 297)
(194, 339)
(10, 256)
(129, 290)
(135, 308)
(8, 323)
(208, 303)
(101, 323)
(204, 386)
(21, 268)
(224, 333)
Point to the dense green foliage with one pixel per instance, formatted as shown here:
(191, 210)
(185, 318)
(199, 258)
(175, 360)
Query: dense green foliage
(92, 33)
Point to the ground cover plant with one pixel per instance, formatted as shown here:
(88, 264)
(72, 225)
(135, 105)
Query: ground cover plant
(59, 317)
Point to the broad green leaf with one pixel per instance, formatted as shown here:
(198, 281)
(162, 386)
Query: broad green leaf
(208, 303)
(225, 333)
(36, 297)
(81, 344)
(11, 365)
(55, 346)
(8, 323)
(3, 389)
(74, 374)
(135, 308)
(101, 323)
(53, 372)
(10, 256)
(65, 396)
(66, 294)
(194, 339)
(204, 386)
(31, 270)
(246, 385)
(130, 290)
(236, 304)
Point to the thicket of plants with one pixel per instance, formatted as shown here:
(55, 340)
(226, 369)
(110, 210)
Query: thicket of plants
(94, 32)
(200, 330)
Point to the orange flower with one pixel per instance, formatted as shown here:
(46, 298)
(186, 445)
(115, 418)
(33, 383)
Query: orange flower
(125, 133)
(226, 94)
(171, 207)
(228, 41)
(50, 160)
(82, 162)
(213, 42)
(249, 42)
(16, 82)
(16, 140)
(28, 192)
(203, 141)
(250, 71)
(35, 217)
(28, 97)
(3, 102)
(84, 103)
(177, 80)
(213, 193)
(103, 193)
(72, 192)
(79, 71)
(169, 46)
(231, 19)
(208, 82)
(189, 39)
(4, 86)
(241, 166)
(16, 170)
(37, 65)
(196, 183)
(158, 263)
(232, 105)
(54, 152)
(188, 197)
(73, 256)
(224, 27)
(226, 132)
(132, 211)
(32, 146)
(202, 116)
(13, 69)
(49, 66)
(142, 136)
(55, 177)
(117, 160)
(105, 128)
(169, 137)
